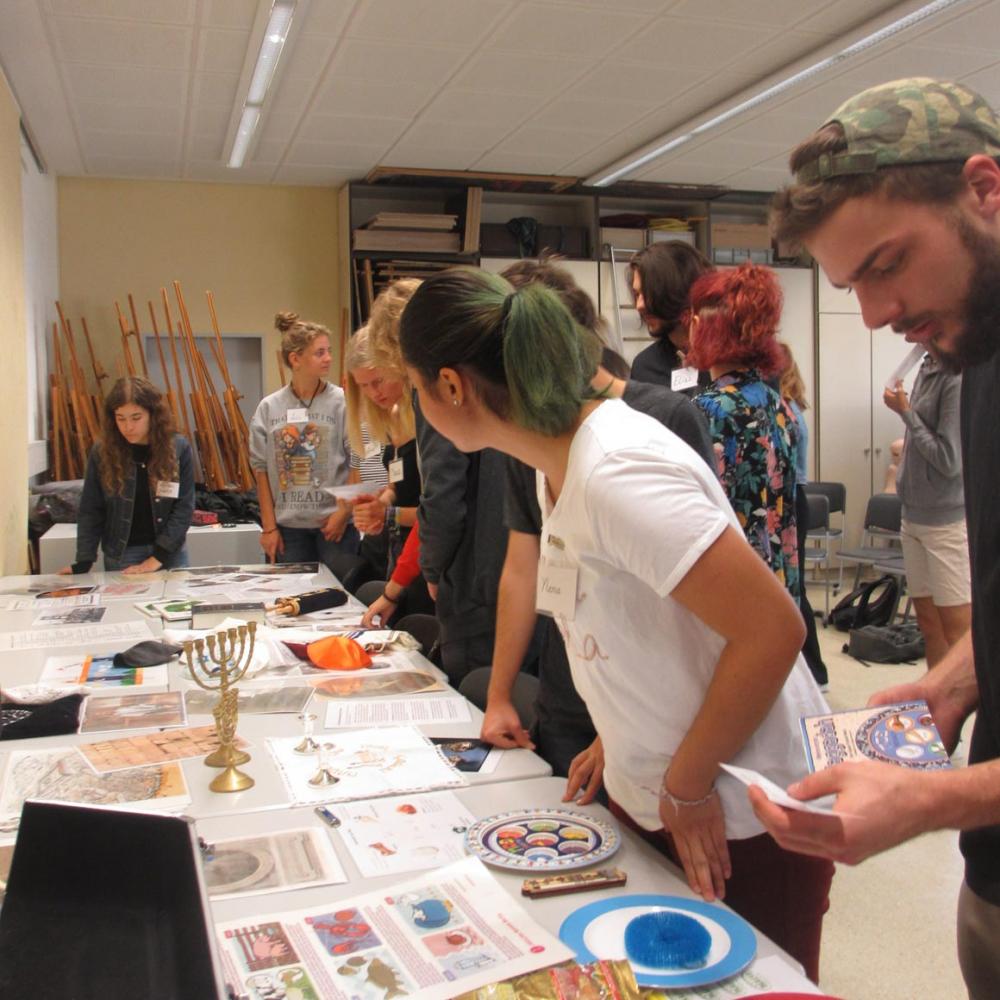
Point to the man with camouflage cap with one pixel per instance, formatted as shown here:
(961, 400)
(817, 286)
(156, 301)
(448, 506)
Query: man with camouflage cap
(897, 197)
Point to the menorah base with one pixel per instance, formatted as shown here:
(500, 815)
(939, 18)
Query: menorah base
(232, 780)
(226, 756)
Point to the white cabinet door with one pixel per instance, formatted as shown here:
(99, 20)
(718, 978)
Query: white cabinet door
(888, 350)
(797, 329)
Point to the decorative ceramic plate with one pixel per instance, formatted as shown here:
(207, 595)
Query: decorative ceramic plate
(542, 840)
(597, 931)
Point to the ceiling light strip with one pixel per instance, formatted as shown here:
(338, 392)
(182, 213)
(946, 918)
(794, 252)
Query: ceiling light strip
(278, 24)
(673, 140)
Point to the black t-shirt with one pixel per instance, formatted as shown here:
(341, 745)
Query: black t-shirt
(656, 363)
(557, 697)
(980, 415)
(408, 488)
(143, 530)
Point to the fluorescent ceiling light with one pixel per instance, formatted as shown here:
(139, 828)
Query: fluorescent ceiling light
(674, 139)
(278, 24)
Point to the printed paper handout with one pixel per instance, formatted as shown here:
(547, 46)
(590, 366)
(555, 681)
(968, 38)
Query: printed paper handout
(371, 683)
(903, 733)
(396, 712)
(289, 859)
(273, 701)
(150, 750)
(470, 755)
(365, 764)
(101, 672)
(115, 713)
(70, 616)
(62, 775)
(428, 939)
(404, 833)
(125, 634)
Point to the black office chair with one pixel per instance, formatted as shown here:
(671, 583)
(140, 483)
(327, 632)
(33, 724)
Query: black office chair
(880, 542)
(817, 525)
(824, 537)
(426, 629)
(475, 686)
(368, 592)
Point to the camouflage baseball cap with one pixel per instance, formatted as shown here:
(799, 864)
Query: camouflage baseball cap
(917, 120)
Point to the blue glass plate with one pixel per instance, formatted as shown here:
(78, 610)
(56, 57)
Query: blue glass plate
(597, 930)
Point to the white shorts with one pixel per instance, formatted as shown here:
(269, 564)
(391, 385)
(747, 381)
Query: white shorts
(937, 562)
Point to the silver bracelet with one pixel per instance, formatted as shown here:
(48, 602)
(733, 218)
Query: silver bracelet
(679, 804)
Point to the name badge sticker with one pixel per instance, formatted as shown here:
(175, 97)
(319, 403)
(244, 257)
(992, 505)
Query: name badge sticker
(297, 415)
(555, 593)
(167, 489)
(683, 378)
(396, 471)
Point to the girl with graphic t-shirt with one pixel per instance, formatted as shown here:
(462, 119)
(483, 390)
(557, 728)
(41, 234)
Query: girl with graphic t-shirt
(681, 642)
(298, 449)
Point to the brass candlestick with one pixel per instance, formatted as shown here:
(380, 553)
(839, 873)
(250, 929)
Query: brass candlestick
(224, 667)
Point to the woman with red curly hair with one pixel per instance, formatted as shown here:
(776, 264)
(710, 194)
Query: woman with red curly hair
(733, 329)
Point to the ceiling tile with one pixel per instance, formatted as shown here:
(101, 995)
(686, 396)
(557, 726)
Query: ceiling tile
(775, 55)
(228, 13)
(277, 126)
(618, 80)
(465, 136)
(521, 163)
(325, 18)
(291, 93)
(432, 157)
(126, 118)
(267, 152)
(306, 55)
(775, 125)
(922, 60)
(973, 29)
(206, 147)
(607, 116)
(164, 11)
(510, 73)
(216, 89)
(986, 82)
(344, 156)
(758, 179)
(211, 120)
(129, 144)
(844, 15)
(313, 176)
(552, 29)
(397, 64)
(343, 95)
(337, 128)
(125, 166)
(689, 44)
(780, 13)
(121, 43)
(549, 142)
(222, 51)
(127, 85)
(213, 170)
(501, 111)
(458, 23)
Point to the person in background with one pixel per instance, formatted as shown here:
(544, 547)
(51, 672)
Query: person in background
(897, 197)
(793, 391)
(298, 451)
(642, 563)
(563, 733)
(379, 397)
(661, 276)
(138, 490)
(367, 467)
(929, 483)
(733, 323)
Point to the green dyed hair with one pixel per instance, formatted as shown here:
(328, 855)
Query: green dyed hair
(530, 362)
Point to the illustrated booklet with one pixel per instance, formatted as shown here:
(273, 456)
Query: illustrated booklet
(903, 733)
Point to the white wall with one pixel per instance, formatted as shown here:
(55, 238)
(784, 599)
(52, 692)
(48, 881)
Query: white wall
(41, 289)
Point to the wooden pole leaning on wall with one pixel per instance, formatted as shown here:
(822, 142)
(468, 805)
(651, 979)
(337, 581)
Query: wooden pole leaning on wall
(208, 446)
(138, 336)
(281, 367)
(84, 424)
(171, 402)
(99, 373)
(126, 350)
(232, 397)
(178, 381)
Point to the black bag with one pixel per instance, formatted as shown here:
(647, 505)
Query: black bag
(862, 607)
(886, 643)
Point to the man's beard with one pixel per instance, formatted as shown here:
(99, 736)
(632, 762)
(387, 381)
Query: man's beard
(980, 310)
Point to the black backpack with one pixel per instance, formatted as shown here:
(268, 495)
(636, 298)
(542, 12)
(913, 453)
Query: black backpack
(886, 643)
(870, 604)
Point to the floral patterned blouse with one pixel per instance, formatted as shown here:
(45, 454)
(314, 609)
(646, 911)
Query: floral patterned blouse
(755, 440)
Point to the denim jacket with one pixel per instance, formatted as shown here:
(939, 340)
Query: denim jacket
(107, 519)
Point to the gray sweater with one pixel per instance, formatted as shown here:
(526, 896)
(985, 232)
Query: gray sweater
(929, 480)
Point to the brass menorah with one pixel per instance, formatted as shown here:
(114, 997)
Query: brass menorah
(222, 668)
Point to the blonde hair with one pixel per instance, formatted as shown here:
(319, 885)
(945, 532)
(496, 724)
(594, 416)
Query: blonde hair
(792, 386)
(367, 351)
(297, 334)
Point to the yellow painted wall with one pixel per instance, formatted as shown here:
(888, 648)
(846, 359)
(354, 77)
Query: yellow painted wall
(14, 370)
(258, 249)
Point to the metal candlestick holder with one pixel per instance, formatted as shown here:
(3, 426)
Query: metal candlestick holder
(324, 772)
(307, 745)
(227, 661)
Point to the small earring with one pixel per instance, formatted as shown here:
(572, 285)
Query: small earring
(456, 402)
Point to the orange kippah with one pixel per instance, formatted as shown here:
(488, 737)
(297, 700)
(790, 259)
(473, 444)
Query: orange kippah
(338, 652)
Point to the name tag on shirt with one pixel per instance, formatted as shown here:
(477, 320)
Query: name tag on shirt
(396, 471)
(297, 415)
(373, 449)
(166, 489)
(555, 593)
(683, 378)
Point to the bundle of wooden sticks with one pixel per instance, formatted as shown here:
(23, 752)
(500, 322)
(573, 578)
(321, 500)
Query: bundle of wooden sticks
(216, 427)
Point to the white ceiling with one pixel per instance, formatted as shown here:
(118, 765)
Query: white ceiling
(153, 88)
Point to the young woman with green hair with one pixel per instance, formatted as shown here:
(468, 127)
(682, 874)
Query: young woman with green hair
(643, 565)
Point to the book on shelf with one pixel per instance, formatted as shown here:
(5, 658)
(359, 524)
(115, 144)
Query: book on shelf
(407, 239)
(411, 220)
(903, 733)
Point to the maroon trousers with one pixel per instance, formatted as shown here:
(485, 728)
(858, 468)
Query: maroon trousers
(783, 894)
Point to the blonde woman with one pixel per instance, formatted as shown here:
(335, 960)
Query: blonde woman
(298, 450)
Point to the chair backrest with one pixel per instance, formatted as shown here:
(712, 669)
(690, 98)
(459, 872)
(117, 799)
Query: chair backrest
(426, 629)
(819, 511)
(835, 493)
(884, 514)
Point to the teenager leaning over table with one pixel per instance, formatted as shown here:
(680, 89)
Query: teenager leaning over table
(298, 449)
(138, 490)
(681, 642)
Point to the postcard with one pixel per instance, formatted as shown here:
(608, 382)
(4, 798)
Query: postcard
(161, 710)
(70, 616)
(469, 754)
(153, 749)
(101, 671)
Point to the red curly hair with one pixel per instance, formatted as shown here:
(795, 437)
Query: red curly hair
(738, 312)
